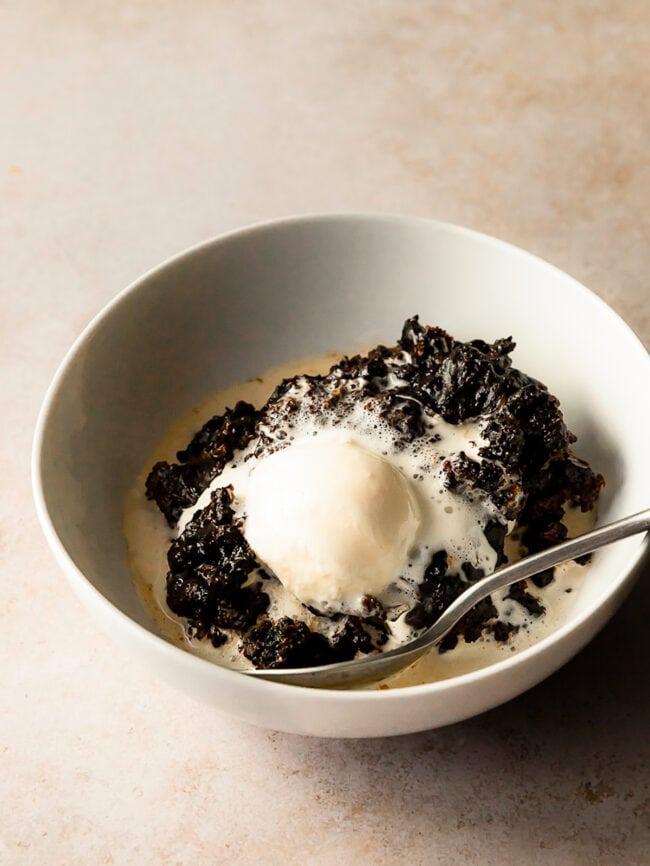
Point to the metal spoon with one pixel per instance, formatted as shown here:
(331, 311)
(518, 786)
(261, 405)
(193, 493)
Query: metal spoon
(374, 667)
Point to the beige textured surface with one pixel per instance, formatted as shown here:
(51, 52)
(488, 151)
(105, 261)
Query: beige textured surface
(132, 129)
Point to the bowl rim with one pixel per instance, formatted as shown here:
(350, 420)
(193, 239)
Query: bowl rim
(86, 589)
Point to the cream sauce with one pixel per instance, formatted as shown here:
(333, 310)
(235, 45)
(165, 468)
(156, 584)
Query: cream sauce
(148, 538)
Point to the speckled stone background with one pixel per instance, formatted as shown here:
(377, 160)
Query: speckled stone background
(129, 130)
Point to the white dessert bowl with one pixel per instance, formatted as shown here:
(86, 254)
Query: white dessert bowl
(237, 305)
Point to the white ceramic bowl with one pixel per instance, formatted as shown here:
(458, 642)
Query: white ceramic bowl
(237, 305)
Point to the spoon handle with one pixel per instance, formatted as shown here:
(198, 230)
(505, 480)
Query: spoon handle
(376, 666)
(528, 567)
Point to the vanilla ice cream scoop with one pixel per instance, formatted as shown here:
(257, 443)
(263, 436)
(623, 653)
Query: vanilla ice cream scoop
(332, 520)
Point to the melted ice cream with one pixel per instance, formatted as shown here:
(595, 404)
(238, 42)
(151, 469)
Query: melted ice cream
(444, 521)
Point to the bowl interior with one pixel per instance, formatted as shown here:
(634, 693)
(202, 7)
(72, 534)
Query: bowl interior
(236, 306)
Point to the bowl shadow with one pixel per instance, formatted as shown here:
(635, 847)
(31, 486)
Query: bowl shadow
(561, 771)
